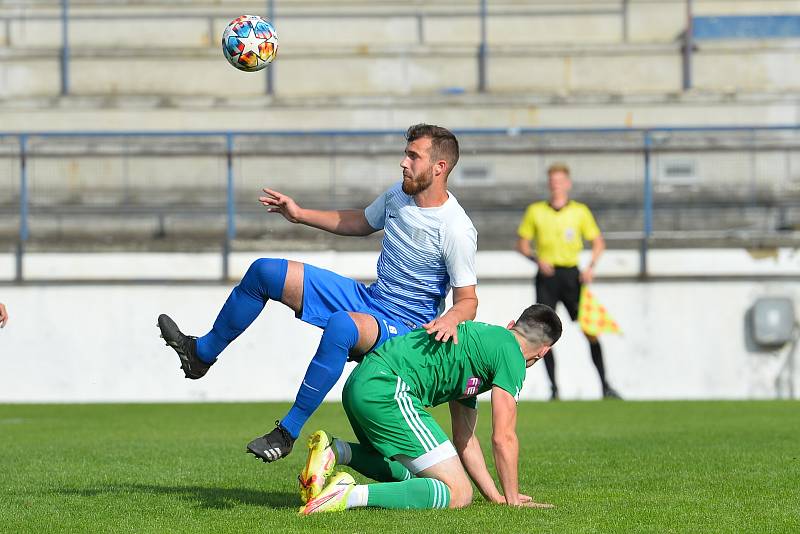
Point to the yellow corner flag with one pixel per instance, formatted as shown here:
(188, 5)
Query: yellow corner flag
(593, 316)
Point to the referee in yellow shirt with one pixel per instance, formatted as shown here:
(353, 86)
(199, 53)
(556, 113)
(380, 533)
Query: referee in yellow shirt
(559, 226)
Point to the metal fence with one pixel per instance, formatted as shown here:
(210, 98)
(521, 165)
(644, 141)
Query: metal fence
(178, 190)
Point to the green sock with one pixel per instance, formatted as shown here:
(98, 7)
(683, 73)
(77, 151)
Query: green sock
(372, 464)
(416, 494)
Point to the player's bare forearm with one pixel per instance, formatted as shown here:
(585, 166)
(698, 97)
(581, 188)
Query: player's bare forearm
(464, 420)
(463, 310)
(475, 465)
(506, 456)
(505, 444)
(340, 222)
(465, 305)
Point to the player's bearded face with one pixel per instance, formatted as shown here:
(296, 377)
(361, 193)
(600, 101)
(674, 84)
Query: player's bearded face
(419, 182)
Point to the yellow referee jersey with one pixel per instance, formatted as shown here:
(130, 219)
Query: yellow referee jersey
(559, 234)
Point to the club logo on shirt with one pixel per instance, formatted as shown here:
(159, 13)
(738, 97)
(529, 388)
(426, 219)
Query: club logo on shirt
(569, 234)
(473, 385)
(392, 329)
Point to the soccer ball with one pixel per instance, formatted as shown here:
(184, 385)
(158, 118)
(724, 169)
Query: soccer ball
(249, 43)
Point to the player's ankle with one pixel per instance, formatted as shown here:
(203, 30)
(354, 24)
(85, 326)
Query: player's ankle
(342, 452)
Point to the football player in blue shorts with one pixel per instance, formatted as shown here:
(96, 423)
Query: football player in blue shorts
(429, 246)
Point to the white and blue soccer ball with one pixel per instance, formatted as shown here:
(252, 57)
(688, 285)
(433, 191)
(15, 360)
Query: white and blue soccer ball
(250, 43)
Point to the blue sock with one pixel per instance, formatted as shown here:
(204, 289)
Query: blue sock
(339, 336)
(263, 281)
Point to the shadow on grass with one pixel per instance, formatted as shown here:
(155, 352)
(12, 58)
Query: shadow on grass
(206, 497)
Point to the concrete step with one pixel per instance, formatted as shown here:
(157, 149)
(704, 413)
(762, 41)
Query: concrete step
(345, 25)
(420, 70)
(258, 113)
(339, 23)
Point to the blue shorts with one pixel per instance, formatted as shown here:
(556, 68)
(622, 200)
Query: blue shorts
(325, 292)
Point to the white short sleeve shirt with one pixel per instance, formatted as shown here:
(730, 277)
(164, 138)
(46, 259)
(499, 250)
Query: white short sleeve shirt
(426, 251)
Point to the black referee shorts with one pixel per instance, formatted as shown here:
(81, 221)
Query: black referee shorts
(564, 286)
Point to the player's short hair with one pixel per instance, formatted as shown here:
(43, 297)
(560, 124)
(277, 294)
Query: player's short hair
(444, 144)
(558, 167)
(539, 325)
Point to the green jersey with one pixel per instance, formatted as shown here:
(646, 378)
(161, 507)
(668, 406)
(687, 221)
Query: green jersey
(436, 372)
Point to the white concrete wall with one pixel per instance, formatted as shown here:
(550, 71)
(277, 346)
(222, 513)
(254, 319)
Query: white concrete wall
(682, 339)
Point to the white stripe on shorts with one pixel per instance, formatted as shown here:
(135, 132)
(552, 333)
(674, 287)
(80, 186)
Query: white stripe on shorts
(411, 416)
(415, 416)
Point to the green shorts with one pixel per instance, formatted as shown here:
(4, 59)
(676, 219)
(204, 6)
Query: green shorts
(384, 414)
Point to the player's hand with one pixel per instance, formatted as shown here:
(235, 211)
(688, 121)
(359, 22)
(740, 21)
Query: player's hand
(545, 268)
(3, 315)
(276, 202)
(445, 328)
(587, 275)
(497, 499)
(528, 502)
(525, 501)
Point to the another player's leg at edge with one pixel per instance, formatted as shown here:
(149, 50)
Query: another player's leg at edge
(281, 280)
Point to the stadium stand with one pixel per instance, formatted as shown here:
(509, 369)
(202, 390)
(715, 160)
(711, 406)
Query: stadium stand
(358, 65)
(572, 63)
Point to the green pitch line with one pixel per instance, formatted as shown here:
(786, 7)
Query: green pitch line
(608, 467)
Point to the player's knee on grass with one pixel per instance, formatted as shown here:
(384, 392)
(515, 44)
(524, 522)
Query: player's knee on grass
(451, 472)
(460, 494)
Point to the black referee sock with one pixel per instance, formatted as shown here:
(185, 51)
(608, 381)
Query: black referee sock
(550, 364)
(597, 359)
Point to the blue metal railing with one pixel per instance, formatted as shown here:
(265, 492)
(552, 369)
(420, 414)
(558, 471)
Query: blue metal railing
(648, 204)
(647, 145)
(64, 47)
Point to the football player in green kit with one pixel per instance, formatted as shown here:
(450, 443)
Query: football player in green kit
(402, 447)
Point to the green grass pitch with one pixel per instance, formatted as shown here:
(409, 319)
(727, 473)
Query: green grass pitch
(607, 466)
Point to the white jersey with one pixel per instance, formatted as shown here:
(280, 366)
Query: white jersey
(425, 252)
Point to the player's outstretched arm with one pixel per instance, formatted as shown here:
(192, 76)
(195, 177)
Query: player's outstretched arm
(505, 444)
(340, 222)
(463, 420)
(3, 315)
